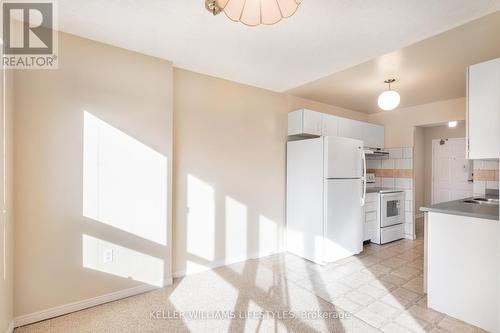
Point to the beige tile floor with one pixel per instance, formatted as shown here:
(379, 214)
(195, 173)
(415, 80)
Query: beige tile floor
(379, 290)
(383, 287)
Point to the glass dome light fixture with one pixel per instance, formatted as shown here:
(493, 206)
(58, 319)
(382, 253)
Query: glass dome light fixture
(254, 12)
(389, 99)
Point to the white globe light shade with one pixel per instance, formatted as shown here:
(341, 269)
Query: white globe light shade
(389, 100)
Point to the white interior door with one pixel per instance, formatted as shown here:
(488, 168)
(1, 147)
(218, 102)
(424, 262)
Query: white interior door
(450, 171)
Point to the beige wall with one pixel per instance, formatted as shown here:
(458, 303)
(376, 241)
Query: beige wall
(6, 219)
(402, 129)
(295, 103)
(399, 124)
(129, 92)
(229, 164)
(229, 158)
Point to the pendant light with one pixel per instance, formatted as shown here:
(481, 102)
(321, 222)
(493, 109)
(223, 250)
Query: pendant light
(389, 100)
(254, 12)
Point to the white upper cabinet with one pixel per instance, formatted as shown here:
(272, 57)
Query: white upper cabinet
(373, 135)
(309, 123)
(483, 110)
(305, 122)
(349, 128)
(330, 125)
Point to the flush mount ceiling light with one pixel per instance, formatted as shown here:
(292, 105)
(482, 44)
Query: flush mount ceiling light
(389, 100)
(452, 124)
(254, 12)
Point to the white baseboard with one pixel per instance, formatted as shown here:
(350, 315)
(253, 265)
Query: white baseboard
(85, 304)
(91, 302)
(225, 262)
(410, 237)
(10, 328)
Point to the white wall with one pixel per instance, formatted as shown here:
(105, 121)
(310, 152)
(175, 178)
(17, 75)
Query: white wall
(485, 176)
(93, 142)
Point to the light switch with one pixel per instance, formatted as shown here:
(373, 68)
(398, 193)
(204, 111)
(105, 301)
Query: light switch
(107, 256)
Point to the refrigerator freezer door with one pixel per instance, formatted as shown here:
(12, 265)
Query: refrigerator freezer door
(343, 158)
(343, 218)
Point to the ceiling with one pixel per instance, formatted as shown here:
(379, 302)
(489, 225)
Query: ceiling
(323, 37)
(428, 71)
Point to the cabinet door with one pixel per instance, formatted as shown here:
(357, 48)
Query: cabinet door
(379, 138)
(369, 135)
(295, 122)
(330, 125)
(305, 122)
(483, 110)
(369, 225)
(349, 128)
(312, 122)
(373, 135)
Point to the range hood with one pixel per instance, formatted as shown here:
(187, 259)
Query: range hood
(375, 152)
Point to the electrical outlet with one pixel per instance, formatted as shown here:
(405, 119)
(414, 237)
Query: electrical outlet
(107, 256)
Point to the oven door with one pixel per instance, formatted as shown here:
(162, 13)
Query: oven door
(392, 209)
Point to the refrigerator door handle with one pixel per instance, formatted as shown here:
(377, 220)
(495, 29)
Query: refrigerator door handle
(363, 198)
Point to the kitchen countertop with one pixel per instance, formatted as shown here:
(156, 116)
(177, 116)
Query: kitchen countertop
(458, 207)
(381, 189)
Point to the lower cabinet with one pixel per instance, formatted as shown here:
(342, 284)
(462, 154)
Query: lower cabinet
(371, 213)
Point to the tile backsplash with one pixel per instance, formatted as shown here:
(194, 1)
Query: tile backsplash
(396, 172)
(485, 176)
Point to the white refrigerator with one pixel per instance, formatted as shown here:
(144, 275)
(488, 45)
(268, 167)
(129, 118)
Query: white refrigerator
(326, 189)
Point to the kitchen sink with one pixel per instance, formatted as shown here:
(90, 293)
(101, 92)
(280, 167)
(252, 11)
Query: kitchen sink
(486, 200)
(482, 201)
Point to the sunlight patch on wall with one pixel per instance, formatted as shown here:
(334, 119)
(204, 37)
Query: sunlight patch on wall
(124, 181)
(268, 235)
(319, 246)
(236, 230)
(193, 267)
(200, 219)
(120, 261)
(296, 238)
